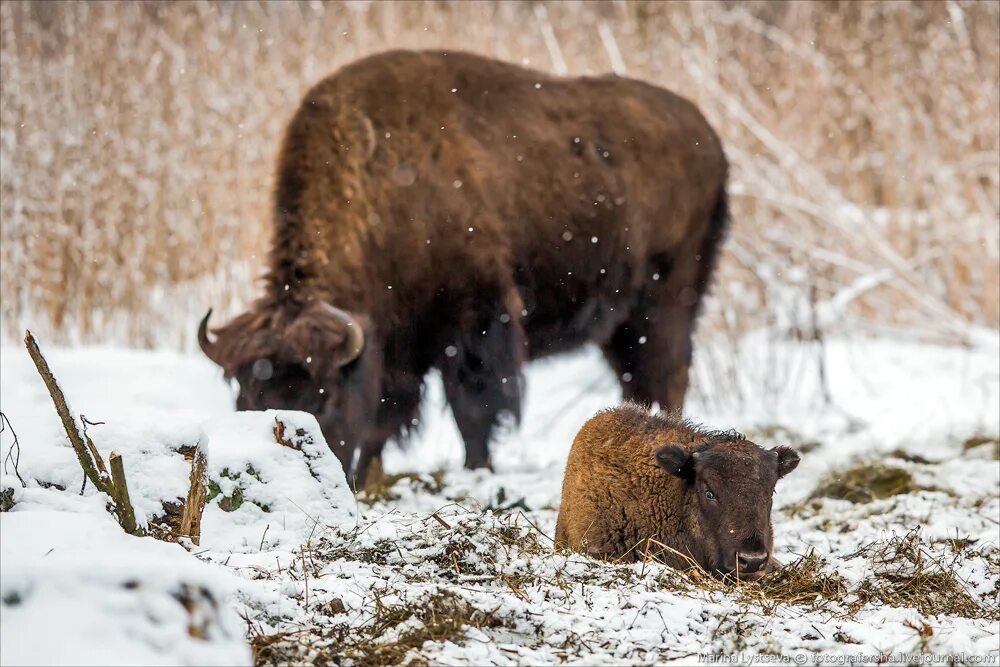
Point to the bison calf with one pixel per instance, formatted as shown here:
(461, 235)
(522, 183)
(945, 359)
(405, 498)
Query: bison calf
(705, 495)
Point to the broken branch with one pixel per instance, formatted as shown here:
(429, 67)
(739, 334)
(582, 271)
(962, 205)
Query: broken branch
(87, 454)
(83, 454)
(123, 504)
(194, 504)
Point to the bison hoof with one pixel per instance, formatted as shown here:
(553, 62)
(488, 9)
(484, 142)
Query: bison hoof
(479, 465)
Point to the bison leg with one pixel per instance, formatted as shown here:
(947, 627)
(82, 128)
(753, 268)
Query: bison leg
(651, 351)
(398, 411)
(369, 468)
(481, 371)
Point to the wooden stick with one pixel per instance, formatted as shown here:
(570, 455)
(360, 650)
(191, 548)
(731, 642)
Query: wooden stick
(97, 458)
(123, 504)
(194, 505)
(101, 482)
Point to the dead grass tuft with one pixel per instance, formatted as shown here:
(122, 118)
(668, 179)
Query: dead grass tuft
(910, 457)
(975, 442)
(805, 581)
(345, 546)
(865, 482)
(393, 635)
(905, 573)
(384, 490)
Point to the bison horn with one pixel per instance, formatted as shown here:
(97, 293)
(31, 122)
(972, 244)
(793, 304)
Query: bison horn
(207, 346)
(355, 337)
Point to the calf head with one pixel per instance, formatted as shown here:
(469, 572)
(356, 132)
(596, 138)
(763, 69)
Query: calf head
(729, 483)
(303, 359)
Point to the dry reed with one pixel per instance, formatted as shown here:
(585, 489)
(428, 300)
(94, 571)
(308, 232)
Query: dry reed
(138, 142)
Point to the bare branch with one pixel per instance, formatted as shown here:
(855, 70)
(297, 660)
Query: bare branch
(14, 453)
(83, 453)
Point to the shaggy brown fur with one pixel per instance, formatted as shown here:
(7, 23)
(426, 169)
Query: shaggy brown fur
(470, 214)
(705, 494)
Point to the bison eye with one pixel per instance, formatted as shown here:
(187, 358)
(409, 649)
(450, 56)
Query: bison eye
(709, 494)
(262, 369)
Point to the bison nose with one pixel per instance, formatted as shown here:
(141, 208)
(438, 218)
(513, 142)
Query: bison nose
(751, 561)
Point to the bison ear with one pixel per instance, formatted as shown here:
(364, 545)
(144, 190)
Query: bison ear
(788, 460)
(677, 461)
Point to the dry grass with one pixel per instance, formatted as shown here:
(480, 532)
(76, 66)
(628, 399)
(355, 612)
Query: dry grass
(437, 617)
(983, 443)
(806, 581)
(866, 481)
(138, 142)
(494, 572)
(905, 573)
(383, 489)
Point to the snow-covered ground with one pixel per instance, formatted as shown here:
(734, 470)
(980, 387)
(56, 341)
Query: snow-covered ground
(457, 567)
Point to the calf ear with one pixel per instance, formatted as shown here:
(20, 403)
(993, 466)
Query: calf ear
(677, 461)
(788, 460)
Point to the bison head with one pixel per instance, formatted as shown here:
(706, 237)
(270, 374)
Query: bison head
(294, 359)
(730, 483)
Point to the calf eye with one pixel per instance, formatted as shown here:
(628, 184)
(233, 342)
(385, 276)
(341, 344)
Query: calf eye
(709, 494)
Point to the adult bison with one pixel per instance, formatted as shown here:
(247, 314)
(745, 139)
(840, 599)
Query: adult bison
(443, 210)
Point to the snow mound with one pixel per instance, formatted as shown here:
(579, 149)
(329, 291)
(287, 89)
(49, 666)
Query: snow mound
(271, 471)
(77, 590)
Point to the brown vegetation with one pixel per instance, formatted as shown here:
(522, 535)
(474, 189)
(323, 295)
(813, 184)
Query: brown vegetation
(437, 570)
(866, 481)
(905, 573)
(436, 617)
(139, 142)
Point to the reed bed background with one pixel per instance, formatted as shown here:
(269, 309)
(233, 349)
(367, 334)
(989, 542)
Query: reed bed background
(138, 142)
